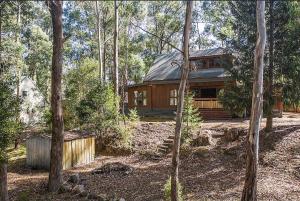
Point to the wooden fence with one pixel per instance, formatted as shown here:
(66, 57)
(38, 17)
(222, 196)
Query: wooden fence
(76, 152)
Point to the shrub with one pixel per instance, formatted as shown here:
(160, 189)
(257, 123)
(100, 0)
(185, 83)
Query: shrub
(191, 119)
(235, 99)
(167, 191)
(8, 110)
(98, 111)
(133, 116)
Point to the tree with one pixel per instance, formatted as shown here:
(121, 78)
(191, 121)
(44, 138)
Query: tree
(98, 27)
(250, 186)
(116, 56)
(180, 106)
(55, 174)
(269, 93)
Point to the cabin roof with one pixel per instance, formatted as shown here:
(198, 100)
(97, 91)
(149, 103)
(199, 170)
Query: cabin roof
(163, 68)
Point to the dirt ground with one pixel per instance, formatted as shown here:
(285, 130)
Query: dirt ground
(215, 172)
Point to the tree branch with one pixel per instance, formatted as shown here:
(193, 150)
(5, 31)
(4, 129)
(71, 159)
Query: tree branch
(158, 37)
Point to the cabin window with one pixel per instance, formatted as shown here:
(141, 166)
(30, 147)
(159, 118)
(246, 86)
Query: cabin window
(140, 98)
(217, 62)
(135, 98)
(24, 93)
(173, 97)
(199, 64)
(211, 63)
(209, 93)
(144, 97)
(196, 92)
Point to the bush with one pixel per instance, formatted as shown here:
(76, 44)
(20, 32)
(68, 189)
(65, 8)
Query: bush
(191, 119)
(98, 110)
(133, 116)
(236, 99)
(8, 110)
(167, 191)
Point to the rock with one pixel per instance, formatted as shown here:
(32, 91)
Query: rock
(74, 178)
(233, 134)
(79, 189)
(202, 140)
(92, 196)
(122, 199)
(101, 197)
(201, 151)
(65, 188)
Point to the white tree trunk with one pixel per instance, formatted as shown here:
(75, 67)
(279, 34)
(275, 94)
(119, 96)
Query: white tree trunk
(98, 27)
(116, 56)
(250, 186)
(182, 86)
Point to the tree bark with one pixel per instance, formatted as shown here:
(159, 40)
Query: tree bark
(125, 73)
(269, 123)
(3, 182)
(250, 185)
(116, 56)
(19, 72)
(98, 27)
(55, 174)
(182, 86)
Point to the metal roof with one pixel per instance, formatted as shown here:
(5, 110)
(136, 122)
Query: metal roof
(163, 69)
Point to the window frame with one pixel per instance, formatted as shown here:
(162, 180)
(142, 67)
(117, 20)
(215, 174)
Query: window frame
(173, 97)
(140, 98)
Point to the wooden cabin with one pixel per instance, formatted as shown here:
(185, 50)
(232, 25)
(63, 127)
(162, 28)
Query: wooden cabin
(78, 149)
(158, 94)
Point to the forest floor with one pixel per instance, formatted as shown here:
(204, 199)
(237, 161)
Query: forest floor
(215, 172)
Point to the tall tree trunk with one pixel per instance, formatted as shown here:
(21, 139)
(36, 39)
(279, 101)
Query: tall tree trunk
(116, 56)
(104, 53)
(125, 73)
(1, 67)
(250, 185)
(98, 27)
(269, 123)
(182, 86)
(19, 72)
(3, 181)
(55, 174)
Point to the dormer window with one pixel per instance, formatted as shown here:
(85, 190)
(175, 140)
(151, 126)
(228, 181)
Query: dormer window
(24, 94)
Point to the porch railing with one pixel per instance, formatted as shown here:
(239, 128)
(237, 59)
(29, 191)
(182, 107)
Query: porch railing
(207, 103)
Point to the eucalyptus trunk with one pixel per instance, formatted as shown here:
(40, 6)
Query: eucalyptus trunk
(18, 72)
(269, 123)
(250, 185)
(98, 27)
(116, 56)
(55, 174)
(184, 76)
(3, 181)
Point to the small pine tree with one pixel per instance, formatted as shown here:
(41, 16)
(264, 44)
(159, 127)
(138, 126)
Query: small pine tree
(167, 191)
(191, 119)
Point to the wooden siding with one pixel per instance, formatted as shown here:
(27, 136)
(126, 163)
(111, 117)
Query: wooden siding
(75, 152)
(139, 89)
(158, 95)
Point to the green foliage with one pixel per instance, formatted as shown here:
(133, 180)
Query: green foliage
(133, 115)
(79, 82)
(98, 109)
(191, 119)
(235, 99)
(9, 127)
(167, 191)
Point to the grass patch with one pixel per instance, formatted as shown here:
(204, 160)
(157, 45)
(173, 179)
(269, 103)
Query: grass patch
(16, 157)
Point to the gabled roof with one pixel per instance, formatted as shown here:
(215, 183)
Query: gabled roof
(164, 70)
